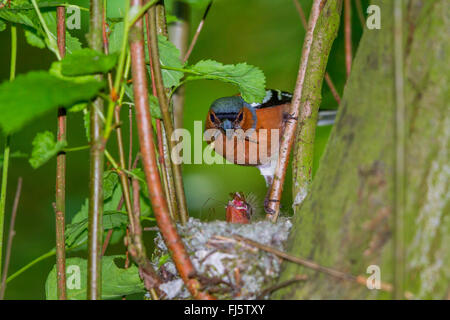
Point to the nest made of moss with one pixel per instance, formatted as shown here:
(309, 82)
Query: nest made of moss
(227, 268)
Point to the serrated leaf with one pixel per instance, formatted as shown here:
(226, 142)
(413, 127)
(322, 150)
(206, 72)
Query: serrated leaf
(26, 4)
(110, 181)
(2, 25)
(116, 280)
(33, 39)
(87, 61)
(169, 56)
(77, 231)
(33, 94)
(25, 17)
(44, 148)
(249, 79)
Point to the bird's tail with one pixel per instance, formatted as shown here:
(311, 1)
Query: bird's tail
(326, 117)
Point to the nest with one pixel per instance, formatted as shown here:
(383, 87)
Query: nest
(227, 268)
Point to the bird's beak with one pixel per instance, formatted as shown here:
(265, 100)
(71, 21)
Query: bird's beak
(228, 127)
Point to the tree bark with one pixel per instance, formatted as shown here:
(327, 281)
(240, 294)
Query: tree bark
(347, 221)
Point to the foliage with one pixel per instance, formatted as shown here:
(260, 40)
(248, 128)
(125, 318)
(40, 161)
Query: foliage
(44, 148)
(116, 280)
(87, 61)
(31, 95)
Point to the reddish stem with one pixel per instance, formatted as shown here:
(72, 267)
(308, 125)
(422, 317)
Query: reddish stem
(60, 203)
(348, 36)
(147, 147)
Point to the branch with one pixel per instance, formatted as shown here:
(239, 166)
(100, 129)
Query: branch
(197, 33)
(361, 280)
(95, 225)
(147, 147)
(360, 13)
(60, 203)
(11, 235)
(179, 36)
(167, 119)
(163, 149)
(317, 63)
(327, 76)
(348, 36)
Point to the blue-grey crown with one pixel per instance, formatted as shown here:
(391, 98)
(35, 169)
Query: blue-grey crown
(227, 105)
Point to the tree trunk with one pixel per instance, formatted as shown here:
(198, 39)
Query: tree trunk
(347, 220)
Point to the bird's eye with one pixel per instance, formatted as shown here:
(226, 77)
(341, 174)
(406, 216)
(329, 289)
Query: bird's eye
(240, 116)
(212, 117)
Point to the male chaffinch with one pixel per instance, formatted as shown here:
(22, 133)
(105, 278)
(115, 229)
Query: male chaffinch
(240, 129)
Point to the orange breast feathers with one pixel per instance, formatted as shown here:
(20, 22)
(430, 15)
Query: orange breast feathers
(247, 143)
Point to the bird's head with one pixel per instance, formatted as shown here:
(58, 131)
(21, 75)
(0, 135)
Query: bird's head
(230, 113)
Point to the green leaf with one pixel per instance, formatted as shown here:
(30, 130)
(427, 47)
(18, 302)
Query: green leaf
(249, 79)
(72, 43)
(33, 39)
(110, 180)
(2, 25)
(26, 4)
(25, 17)
(31, 95)
(14, 155)
(116, 280)
(197, 3)
(77, 231)
(44, 148)
(155, 110)
(78, 107)
(87, 61)
(115, 37)
(169, 56)
(87, 124)
(56, 70)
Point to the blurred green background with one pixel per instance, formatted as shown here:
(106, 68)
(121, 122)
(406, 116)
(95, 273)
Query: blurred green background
(264, 33)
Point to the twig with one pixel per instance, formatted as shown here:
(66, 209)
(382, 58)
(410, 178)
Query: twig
(330, 83)
(167, 119)
(179, 36)
(110, 231)
(164, 154)
(6, 151)
(135, 245)
(360, 13)
(145, 266)
(197, 33)
(11, 235)
(348, 36)
(287, 139)
(297, 278)
(130, 146)
(361, 280)
(400, 142)
(60, 198)
(95, 225)
(147, 147)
